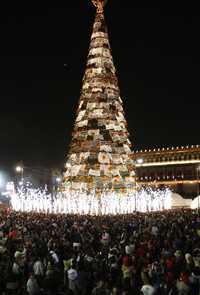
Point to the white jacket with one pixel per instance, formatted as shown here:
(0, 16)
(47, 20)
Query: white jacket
(38, 268)
(32, 286)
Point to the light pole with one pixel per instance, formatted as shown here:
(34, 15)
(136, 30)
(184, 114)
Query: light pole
(138, 162)
(20, 169)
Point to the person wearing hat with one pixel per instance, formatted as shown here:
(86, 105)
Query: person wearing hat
(16, 268)
(189, 262)
(32, 286)
(38, 269)
(129, 249)
(54, 256)
(73, 279)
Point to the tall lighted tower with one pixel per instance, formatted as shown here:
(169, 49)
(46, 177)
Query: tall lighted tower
(99, 174)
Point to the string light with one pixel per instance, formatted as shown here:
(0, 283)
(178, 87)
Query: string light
(195, 203)
(29, 199)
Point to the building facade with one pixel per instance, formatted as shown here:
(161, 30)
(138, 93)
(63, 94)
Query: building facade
(176, 167)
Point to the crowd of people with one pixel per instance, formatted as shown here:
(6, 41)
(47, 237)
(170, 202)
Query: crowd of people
(141, 253)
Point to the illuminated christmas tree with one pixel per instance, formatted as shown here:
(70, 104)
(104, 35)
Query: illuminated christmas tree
(99, 159)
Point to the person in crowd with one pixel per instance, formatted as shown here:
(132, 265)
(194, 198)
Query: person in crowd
(38, 269)
(140, 253)
(101, 288)
(32, 285)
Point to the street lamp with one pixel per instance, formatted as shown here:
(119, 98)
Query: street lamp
(20, 169)
(58, 179)
(140, 161)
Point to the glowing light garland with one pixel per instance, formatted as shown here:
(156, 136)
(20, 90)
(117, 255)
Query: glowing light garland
(195, 204)
(29, 199)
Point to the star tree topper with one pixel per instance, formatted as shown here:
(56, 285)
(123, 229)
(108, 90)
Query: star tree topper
(99, 4)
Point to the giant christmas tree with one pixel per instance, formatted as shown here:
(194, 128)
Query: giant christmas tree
(99, 163)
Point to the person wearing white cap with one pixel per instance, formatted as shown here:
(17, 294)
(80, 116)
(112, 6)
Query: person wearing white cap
(154, 230)
(32, 286)
(54, 256)
(72, 279)
(129, 249)
(16, 269)
(18, 254)
(38, 268)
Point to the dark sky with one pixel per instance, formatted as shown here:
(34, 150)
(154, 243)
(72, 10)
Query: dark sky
(156, 53)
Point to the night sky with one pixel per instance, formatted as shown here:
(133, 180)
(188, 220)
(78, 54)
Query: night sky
(43, 53)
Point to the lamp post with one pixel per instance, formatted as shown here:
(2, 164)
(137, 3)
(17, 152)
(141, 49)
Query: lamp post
(138, 162)
(20, 169)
